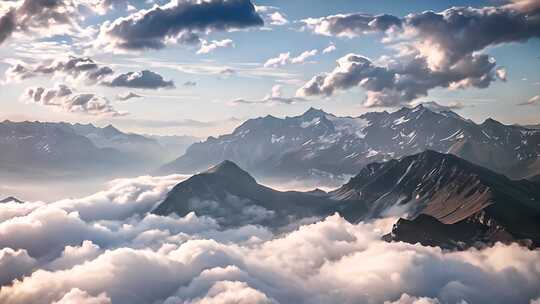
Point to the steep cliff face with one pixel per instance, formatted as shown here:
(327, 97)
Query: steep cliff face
(443, 197)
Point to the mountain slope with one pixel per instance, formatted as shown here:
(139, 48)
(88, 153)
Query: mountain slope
(321, 145)
(230, 195)
(444, 201)
(450, 190)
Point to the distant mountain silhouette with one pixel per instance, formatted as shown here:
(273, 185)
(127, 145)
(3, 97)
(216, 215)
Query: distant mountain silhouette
(63, 149)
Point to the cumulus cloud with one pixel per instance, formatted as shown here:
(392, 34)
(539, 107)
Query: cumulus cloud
(44, 18)
(127, 96)
(85, 70)
(285, 58)
(275, 97)
(329, 49)
(189, 83)
(399, 82)
(271, 15)
(178, 21)
(533, 101)
(14, 264)
(78, 68)
(141, 80)
(434, 50)
(351, 25)
(207, 47)
(82, 297)
(65, 99)
(7, 25)
(277, 18)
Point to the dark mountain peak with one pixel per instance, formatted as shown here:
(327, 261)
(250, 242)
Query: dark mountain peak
(491, 122)
(270, 117)
(430, 155)
(110, 131)
(229, 169)
(11, 199)
(111, 128)
(313, 112)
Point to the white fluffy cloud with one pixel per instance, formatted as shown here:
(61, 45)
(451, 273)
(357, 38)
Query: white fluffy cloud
(105, 249)
(208, 47)
(82, 297)
(285, 58)
(63, 98)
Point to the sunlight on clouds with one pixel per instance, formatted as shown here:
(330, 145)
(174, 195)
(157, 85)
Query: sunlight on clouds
(94, 250)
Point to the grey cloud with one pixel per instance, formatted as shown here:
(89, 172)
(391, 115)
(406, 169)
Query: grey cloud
(127, 96)
(151, 29)
(189, 83)
(401, 80)
(78, 296)
(83, 68)
(275, 97)
(142, 80)
(533, 101)
(88, 71)
(14, 264)
(46, 18)
(7, 25)
(435, 50)
(350, 25)
(64, 98)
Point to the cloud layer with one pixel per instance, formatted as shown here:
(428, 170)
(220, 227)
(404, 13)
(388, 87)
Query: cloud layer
(106, 248)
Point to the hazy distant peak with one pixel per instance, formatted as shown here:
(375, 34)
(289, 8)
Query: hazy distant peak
(11, 199)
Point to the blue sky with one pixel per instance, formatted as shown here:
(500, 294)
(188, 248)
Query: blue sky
(212, 97)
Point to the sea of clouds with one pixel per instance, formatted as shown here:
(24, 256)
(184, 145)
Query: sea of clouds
(108, 248)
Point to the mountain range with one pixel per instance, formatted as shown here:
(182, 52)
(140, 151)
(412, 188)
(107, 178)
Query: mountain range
(62, 149)
(320, 145)
(433, 193)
